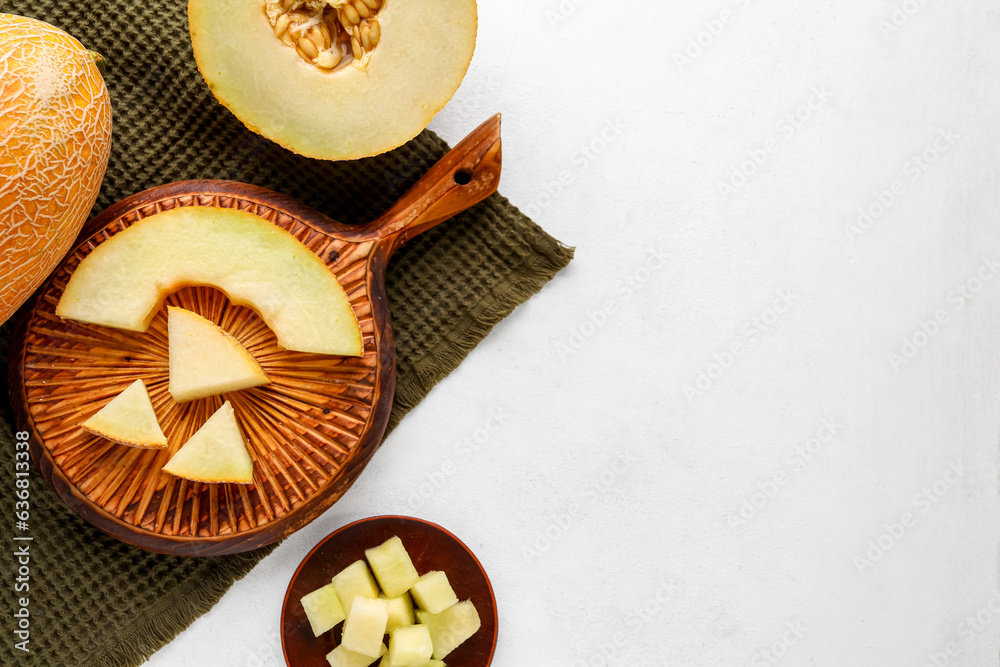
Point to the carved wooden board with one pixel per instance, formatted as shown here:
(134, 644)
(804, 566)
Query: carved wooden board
(311, 431)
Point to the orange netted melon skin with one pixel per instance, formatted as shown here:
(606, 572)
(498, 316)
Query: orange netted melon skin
(55, 139)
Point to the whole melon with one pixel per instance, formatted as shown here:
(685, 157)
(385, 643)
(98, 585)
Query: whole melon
(55, 139)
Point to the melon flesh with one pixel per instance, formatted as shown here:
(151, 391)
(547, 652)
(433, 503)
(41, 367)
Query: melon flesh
(354, 581)
(451, 627)
(409, 646)
(122, 282)
(217, 452)
(205, 360)
(365, 626)
(129, 419)
(400, 611)
(341, 657)
(433, 592)
(392, 567)
(361, 108)
(323, 609)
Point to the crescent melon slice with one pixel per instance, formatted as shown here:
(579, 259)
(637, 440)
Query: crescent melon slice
(129, 419)
(123, 281)
(217, 452)
(205, 360)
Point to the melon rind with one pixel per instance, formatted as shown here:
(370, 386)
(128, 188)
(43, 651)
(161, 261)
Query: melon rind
(355, 111)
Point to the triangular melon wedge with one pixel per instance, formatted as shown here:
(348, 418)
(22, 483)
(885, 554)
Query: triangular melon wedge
(217, 452)
(205, 360)
(129, 419)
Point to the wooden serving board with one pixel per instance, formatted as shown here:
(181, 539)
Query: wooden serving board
(311, 431)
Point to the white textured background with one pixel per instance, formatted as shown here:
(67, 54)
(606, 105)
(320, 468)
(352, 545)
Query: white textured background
(748, 425)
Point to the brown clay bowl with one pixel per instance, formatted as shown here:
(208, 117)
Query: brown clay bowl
(310, 432)
(430, 546)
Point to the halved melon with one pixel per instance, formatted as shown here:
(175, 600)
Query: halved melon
(129, 419)
(216, 452)
(205, 360)
(122, 282)
(334, 79)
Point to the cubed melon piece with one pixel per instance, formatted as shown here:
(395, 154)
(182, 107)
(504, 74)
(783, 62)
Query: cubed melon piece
(392, 567)
(409, 646)
(323, 609)
(400, 611)
(451, 627)
(341, 657)
(353, 581)
(365, 626)
(433, 592)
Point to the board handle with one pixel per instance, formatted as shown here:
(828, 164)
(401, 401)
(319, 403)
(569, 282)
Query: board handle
(466, 175)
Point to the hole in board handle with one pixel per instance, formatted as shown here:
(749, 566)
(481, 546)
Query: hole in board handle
(463, 176)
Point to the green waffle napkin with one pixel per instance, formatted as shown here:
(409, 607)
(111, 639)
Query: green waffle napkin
(97, 602)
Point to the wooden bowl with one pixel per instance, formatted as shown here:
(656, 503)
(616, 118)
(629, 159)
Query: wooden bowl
(430, 546)
(311, 431)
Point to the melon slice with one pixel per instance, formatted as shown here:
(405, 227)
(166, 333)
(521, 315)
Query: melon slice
(217, 452)
(205, 360)
(123, 281)
(129, 419)
(334, 79)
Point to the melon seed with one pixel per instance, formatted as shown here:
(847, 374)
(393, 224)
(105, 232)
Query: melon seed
(322, 31)
(351, 14)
